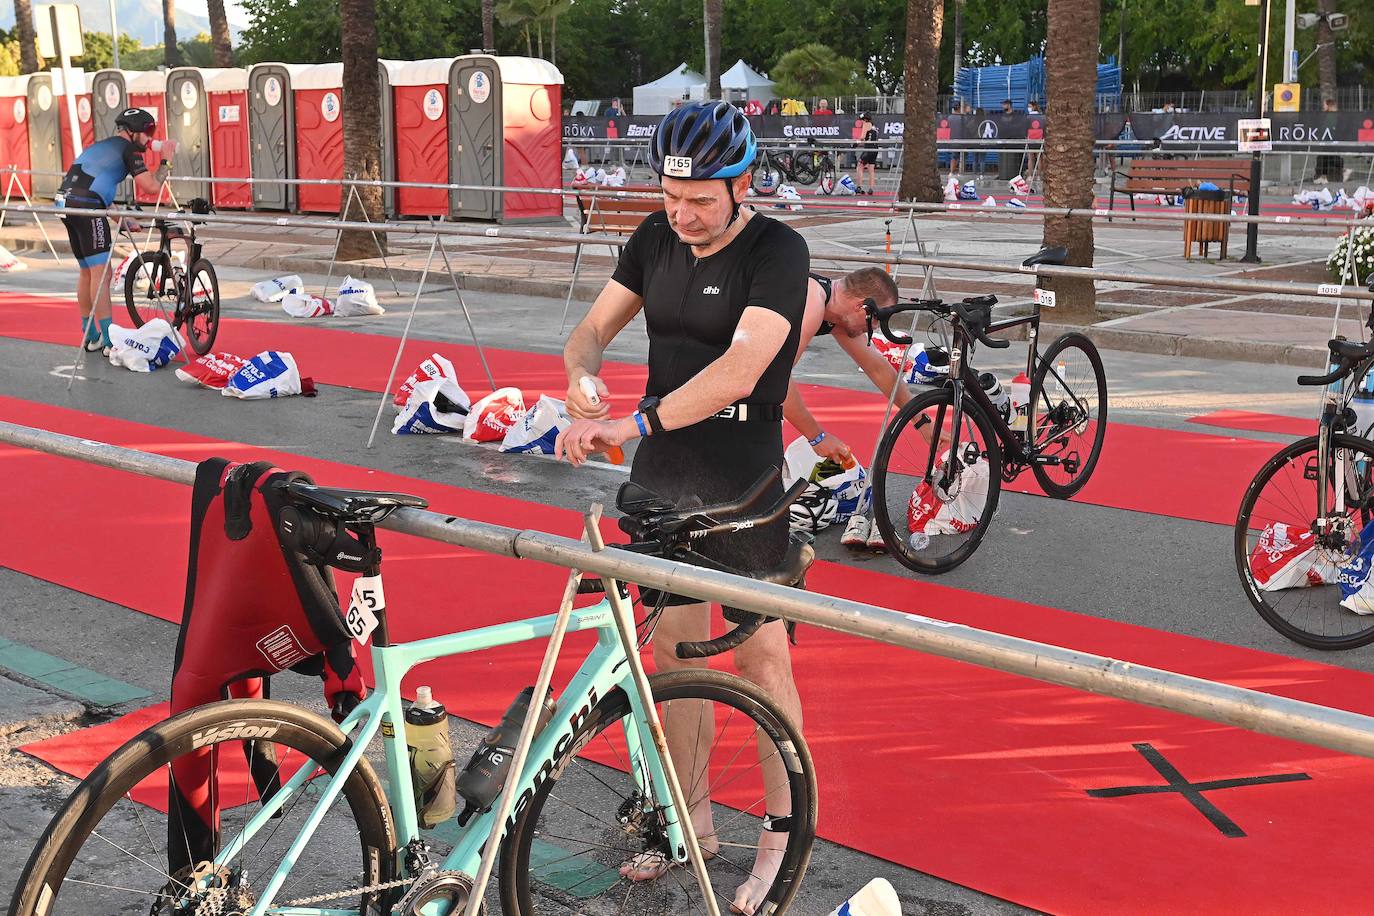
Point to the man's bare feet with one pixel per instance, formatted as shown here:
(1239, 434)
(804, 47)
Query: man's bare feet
(767, 860)
(653, 864)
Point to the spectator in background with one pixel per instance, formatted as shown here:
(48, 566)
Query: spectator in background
(616, 110)
(1007, 107)
(978, 157)
(1329, 105)
(868, 158)
(823, 107)
(774, 108)
(1168, 108)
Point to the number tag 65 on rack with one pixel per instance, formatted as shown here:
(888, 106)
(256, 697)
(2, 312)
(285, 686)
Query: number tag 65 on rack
(367, 600)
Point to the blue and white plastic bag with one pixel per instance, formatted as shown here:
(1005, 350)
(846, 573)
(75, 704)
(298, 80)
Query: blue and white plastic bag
(274, 290)
(436, 405)
(144, 349)
(1357, 592)
(538, 429)
(356, 298)
(270, 374)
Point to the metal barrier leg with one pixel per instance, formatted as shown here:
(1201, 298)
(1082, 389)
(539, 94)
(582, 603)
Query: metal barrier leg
(467, 316)
(400, 347)
(567, 300)
(338, 240)
(14, 182)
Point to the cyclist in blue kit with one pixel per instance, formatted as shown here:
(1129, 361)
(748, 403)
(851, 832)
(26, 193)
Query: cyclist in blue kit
(90, 184)
(723, 294)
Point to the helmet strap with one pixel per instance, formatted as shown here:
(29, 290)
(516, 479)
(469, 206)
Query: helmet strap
(734, 204)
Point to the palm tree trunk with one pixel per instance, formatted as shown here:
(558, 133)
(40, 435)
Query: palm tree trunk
(362, 122)
(488, 25)
(920, 166)
(171, 54)
(712, 13)
(958, 37)
(1326, 55)
(28, 40)
(553, 40)
(529, 48)
(1071, 84)
(219, 34)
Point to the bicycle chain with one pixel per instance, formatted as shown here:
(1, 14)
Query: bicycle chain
(351, 892)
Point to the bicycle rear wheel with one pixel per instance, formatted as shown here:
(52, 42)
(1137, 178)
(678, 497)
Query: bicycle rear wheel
(201, 306)
(767, 178)
(1290, 572)
(933, 504)
(150, 289)
(804, 168)
(1070, 396)
(738, 757)
(111, 848)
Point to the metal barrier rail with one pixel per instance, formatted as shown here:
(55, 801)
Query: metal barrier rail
(1336, 729)
(834, 204)
(429, 229)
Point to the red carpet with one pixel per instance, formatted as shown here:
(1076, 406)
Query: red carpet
(1139, 469)
(971, 775)
(1252, 421)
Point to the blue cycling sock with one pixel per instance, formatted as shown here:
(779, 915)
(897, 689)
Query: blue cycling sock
(90, 328)
(105, 332)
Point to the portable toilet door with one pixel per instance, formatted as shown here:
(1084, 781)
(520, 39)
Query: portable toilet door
(475, 147)
(109, 96)
(148, 90)
(44, 147)
(85, 114)
(319, 137)
(532, 137)
(386, 70)
(272, 132)
(420, 131)
(14, 137)
(188, 123)
(227, 91)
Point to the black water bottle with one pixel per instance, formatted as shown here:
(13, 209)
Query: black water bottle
(485, 774)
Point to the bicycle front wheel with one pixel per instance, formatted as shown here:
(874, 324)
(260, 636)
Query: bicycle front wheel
(737, 758)
(934, 493)
(1069, 392)
(804, 168)
(1292, 562)
(114, 848)
(149, 288)
(201, 308)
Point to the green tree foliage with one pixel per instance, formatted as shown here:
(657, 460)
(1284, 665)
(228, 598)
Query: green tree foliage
(100, 51)
(815, 69)
(9, 53)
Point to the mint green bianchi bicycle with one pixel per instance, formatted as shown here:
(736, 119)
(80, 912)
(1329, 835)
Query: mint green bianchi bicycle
(316, 829)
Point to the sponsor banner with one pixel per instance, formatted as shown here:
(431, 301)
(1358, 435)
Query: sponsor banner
(1203, 127)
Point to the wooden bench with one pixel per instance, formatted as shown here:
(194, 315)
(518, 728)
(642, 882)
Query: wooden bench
(1152, 175)
(616, 215)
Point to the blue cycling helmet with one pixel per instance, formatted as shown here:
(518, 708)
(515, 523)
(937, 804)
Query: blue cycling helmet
(702, 140)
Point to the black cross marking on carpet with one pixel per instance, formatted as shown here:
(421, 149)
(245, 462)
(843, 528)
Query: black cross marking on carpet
(1193, 790)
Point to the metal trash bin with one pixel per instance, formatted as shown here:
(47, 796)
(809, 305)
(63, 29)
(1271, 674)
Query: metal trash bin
(1204, 232)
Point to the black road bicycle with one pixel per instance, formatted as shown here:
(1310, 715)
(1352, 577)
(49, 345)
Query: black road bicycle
(939, 469)
(1303, 529)
(776, 166)
(176, 282)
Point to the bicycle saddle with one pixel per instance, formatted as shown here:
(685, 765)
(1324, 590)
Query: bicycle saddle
(980, 302)
(1052, 256)
(351, 505)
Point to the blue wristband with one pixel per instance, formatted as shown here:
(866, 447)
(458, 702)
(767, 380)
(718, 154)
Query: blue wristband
(639, 421)
(820, 437)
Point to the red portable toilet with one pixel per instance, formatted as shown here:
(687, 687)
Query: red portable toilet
(318, 94)
(227, 92)
(522, 99)
(418, 130)
(85, 115)
(14, 135)
(272, 133)
(112, 91)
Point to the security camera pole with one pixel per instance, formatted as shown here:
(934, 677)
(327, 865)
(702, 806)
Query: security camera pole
(1261, 78)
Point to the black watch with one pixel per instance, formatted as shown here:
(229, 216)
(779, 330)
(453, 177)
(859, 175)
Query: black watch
(649, 408)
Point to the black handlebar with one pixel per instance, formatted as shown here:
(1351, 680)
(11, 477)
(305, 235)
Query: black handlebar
(723, 643)
(976, 324)
(1337, 373)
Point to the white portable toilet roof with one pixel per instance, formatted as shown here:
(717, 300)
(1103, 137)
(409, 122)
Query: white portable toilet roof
(222, 79)
(293, 70)
(318, 76)
(743, 76)
(432, 71)
(14, 85)
(145, 80)
(528, 71)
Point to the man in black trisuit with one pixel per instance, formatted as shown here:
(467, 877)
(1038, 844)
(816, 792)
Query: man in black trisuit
(723, 292)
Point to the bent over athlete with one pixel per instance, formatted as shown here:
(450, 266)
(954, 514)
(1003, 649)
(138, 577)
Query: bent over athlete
(723, 292)
(90, 184)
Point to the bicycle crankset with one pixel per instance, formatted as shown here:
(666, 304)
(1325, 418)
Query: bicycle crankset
(450, 887)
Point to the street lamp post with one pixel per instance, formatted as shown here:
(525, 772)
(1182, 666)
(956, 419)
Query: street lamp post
(1261, 79)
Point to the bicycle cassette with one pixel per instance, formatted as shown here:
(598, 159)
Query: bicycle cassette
(450, 887)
